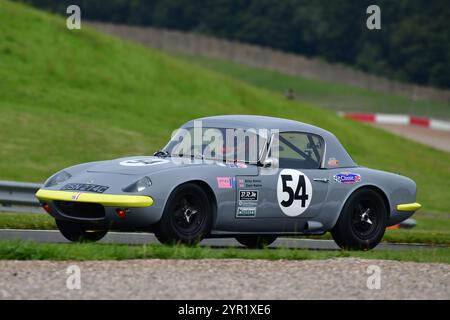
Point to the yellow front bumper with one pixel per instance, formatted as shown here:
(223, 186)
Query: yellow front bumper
(107, 200)
(409, 207)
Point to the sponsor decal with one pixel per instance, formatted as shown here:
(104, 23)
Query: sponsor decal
(248, 195)
(333, 162)
(76, 196)
(246, 212)
(294, 192)
(237, 165)
(347, 178)
(225, 182)
(241, 183)
(248, 203)
(142, 162)
(84, 187)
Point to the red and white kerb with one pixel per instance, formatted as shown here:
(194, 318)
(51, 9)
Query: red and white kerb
(398, 119)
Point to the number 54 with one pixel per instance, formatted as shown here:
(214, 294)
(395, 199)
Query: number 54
(301, 187)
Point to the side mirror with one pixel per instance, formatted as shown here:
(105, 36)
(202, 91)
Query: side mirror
(271, 163)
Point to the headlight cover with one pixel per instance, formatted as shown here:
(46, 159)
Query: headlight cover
(57, 178)
(139, 185)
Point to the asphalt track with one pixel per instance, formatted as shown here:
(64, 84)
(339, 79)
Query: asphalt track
(53, 236)
(434, 138)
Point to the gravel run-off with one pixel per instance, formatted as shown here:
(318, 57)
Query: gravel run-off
(344, 278)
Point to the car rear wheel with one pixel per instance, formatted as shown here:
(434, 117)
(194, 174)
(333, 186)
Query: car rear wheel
(362, 222)
(79, 233)
(256, 242)
(187, 217)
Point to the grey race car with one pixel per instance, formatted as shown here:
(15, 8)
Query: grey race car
(268, 177)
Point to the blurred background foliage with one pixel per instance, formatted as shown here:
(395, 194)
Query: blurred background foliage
(412, 46)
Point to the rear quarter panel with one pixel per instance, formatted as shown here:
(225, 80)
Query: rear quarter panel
(397, 189)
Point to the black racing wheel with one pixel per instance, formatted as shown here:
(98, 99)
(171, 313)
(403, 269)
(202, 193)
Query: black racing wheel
(256, 241)
(187, 217)
(76, 232)
(362, 222)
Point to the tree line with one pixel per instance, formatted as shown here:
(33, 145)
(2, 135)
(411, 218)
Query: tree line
(413, 44)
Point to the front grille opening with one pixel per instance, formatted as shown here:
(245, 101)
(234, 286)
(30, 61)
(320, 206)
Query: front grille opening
(81, 210)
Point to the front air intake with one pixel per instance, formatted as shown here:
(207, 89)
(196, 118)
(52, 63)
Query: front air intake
(81, 210)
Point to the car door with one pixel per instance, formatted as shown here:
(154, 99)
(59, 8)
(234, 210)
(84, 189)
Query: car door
(299, 187)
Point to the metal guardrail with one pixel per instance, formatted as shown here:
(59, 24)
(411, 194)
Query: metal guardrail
(19, 196)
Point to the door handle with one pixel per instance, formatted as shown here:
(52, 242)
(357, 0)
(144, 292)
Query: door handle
(325, 180)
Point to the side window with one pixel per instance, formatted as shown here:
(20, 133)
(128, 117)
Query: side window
(300, 150)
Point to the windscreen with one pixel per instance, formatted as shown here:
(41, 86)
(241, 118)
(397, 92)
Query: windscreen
(221, 144)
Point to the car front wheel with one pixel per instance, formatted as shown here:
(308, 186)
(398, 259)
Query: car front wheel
(187, 216)
(362, 222)
(79, 233)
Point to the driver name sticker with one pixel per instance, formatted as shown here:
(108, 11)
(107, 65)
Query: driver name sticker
(294, 192)
(142, 162)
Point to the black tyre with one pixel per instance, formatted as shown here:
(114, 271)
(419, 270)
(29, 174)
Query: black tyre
(362, 222)
(79, 233)
(255, 241)
(187, 217)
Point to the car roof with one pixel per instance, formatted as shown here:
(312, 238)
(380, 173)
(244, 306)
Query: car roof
(334, 148)
(256, 122)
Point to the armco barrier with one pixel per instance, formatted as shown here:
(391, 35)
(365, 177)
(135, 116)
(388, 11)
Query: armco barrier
(19, 196)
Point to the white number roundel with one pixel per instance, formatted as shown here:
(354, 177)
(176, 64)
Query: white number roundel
(294, 192)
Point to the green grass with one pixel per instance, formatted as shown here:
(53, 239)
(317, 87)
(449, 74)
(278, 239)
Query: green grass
(431, 228)
(22, 250)
(75, 96)
(330, 95)
(33, 221)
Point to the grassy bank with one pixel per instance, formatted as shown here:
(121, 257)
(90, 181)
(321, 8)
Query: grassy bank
(329, 95)
(14, 250)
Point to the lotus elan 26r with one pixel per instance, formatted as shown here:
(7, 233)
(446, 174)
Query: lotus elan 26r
(253, 178)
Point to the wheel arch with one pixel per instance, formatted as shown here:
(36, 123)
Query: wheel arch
(382, 194)
(209, 191)
(370, 187)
